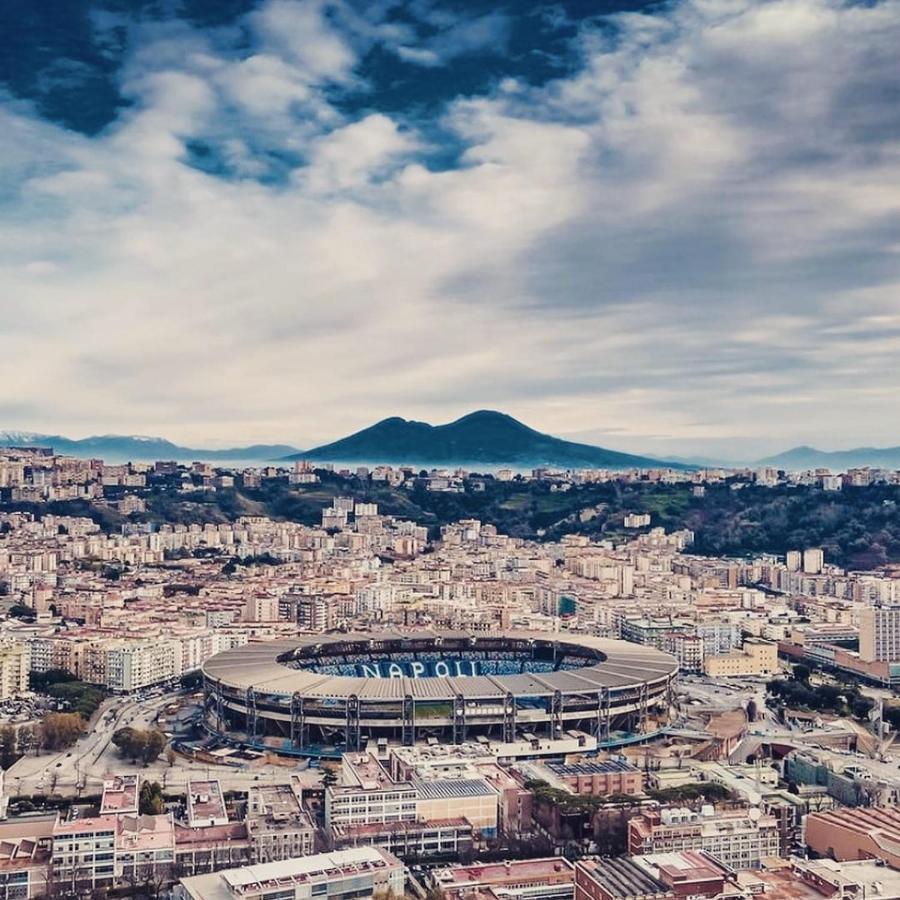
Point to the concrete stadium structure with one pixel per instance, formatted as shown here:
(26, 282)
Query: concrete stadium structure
(333, 692)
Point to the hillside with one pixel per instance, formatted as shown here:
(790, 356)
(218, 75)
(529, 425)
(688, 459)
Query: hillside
(857, 527)
(837, 460)
(484, 437)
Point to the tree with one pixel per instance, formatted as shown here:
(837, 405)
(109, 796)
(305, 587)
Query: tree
(801, 672)
(151, 801)
(170, 756)
(139, 744)
(20, 611)
(154, 742)
(130, 742)
(60, 730)
(9, 746)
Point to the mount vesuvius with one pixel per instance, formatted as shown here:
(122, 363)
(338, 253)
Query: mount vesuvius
(481, 437)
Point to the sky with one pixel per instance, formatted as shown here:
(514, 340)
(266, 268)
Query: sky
(663, 228)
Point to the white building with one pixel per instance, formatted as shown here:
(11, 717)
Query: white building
(15, 666)
(360, 873)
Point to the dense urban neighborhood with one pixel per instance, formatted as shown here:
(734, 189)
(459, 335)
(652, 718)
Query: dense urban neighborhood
(274, 702)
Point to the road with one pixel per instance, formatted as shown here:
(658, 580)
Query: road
(93, 759)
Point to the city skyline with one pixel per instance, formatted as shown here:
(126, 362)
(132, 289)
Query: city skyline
(667, 230)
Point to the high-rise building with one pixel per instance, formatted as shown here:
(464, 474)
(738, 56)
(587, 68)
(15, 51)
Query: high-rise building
(813, 561)
(15, 665)
(879, 634)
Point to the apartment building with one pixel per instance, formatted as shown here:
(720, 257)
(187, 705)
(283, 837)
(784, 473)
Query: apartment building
(687, 648)
(879, 634)
(593, 778)
(132, 665)
(145, 847)
(15, 666)
(25, 849)
(739, 838)
(205, 804)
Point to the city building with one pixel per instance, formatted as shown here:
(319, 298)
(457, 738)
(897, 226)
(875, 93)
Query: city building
(358, 873)
(278, 826)
(521, 879)
(858, 833)
(15, 666)
(739, 838)
(755, 658)
(617, 879)
(879, 634)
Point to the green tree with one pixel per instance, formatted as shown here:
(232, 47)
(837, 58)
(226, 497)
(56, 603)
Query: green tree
(130, 742)
(154, 743)
(150, 802)
(9, 746)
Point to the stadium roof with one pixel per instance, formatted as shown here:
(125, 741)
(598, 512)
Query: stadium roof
(257, 666)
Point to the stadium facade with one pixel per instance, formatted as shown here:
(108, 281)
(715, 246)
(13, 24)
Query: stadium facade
(336, 691)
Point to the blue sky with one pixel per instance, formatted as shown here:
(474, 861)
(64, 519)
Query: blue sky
(672, 228)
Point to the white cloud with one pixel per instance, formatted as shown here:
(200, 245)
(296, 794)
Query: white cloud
(685, 242)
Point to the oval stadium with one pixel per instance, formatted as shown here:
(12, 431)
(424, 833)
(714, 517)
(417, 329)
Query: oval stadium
(331, 693)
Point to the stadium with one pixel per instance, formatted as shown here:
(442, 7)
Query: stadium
(323, 694)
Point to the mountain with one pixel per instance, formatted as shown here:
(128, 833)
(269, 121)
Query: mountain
(837, 460)
(484, 437)
(119, 448)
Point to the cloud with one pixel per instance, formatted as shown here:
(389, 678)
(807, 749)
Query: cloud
(456, 37)
(691, 240)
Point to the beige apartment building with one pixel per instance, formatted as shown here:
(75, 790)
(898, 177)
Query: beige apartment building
(879, 633)
(15, 665)
(756, 657)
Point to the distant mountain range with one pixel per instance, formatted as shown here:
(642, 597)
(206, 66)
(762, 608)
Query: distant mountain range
(837, 460)
(481, 438)
(484, 437)
(120, 448)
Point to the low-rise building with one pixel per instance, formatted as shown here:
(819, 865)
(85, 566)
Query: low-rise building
(277, 824)
(740, 838)
(359, 873)
(620, 878)
(534, 879)
(755, 658)
(859, 833)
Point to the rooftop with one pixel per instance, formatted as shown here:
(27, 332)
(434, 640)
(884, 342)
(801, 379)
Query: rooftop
(120, 795)
(250, 880)
(534, 871)
(590, 768)
(205, 801)
(623, 878)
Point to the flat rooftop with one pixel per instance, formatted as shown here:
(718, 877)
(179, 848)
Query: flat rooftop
(368, 772)
(120, 795)
(590, 768)
(205, 801)
(231, 883)
(535, 871)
